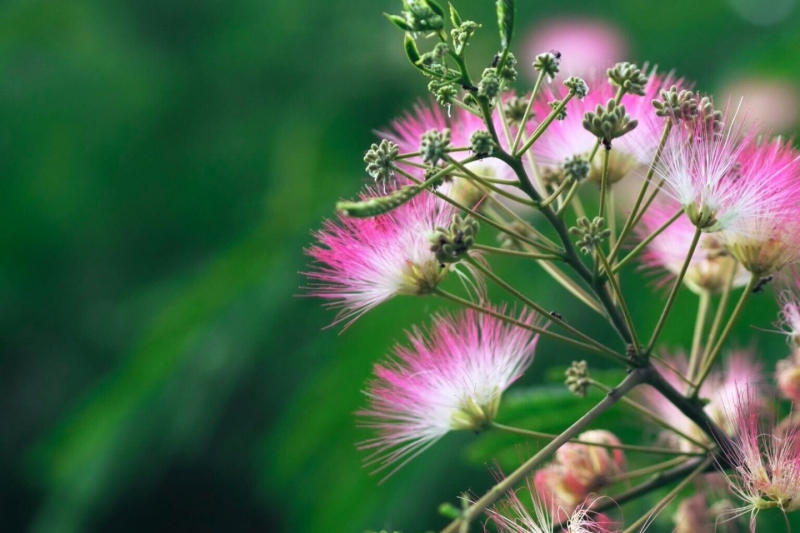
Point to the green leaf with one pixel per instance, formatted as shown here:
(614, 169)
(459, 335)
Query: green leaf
(412, 52)
(505, 20)
(435, 7)
(454, 17)
(398, 21)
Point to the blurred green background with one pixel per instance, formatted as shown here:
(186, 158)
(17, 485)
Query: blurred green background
(163, 163)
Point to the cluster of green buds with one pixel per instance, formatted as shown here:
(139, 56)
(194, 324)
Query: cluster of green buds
(590, 234)
(507, 71)
(514, 110)
(433, 145)
(609, 122)
(548, 63)
(576, 168)
(462, 32)
(380, 160)
(676, 104)
(561, 111)
(628, 77)
(577, 87)
(578, 378)
(481, 143)
(419, 16)
(489, 86)
(710, 115)
(451, 244)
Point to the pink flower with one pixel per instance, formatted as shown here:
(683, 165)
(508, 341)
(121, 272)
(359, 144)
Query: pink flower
(451, 380)
(766, 237)
(711, 264)
(364, 262)
(568, 138)
(787, 375)
(789, 300)
(579, 470)
(739, 372)
(766, 463)
(511, 515)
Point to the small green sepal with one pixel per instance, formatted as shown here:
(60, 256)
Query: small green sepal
(398, 21)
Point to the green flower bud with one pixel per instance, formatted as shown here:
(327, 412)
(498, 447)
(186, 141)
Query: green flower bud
(576, 168)
(380, 160)
(578, 378)
(508, 71)
(629, 77)
(489, 87)
(680, 105)
(462, 34)
(577, 87)
(481, 143)
(421, 17)
(562, 114)
(444, 92)
(378, 206)
(514, 109)
(548, 62)
(451, 244)
(590, 234)
(433, 144)
(609, 122)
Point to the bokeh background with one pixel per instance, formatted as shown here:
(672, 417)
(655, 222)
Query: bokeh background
(162, 164)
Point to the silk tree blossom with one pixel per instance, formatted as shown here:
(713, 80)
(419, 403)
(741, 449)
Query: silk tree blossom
(567, 138)
(787, 374)
(711, 264)
(708, 165)
(765, 462)
(579, 470)
(739, 372)
(511, 515)
(363, 262)
(450, 378)
(767, 238)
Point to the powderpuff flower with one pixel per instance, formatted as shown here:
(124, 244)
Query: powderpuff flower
(711, 264)
(766, 237)
(765, 463)
(789, 300)
(740, 371)
(511, 515)
(364, 262)
(449, 378)
(567, 138)
(579, 470)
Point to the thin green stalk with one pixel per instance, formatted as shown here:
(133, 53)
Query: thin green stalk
(604, 181)
(527, 112)
(544, 125)
(708, 362)
(487, 119)
(669, 497)
(650, 171)
(721, 306)
(671, 299)
(649, 201)
(699, 325)
(660, 467)
(652, 416)
(504, 251)
(539, 309)
(541, 331)
(625, 447)
(639, 247)
(620, 299)
(568, 199)
(549, 200)
(495, 493)
(475, 214)
(544, 244)
(677, 373)
(458, 103)
(490, 186)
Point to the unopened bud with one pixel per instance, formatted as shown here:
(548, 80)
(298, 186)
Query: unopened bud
(380, 160)
(481, 143)
(629, 77)
(609, 122)
(489, 87)
(578, 378)
(576, 167)
(451, 244)
(548, 62)
(433, 144)
(577, 87)
(589, 234)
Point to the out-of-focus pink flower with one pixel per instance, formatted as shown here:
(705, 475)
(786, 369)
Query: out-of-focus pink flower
(711, 265)
(773, 103)
(787, 375)
(766, 464)
(588, 46)
(363, 262)
(579, 470)
(450, 378)
(568, 138)
(739, 372)
(511, 515)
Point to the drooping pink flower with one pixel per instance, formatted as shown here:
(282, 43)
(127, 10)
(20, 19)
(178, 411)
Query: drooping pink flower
(711, 265)
(767, 237)
(740, 371)
(363, 262)
(789, 300)
(765, 463)
(512, 515)
(568, 138)
(579, 470)
(451, 378)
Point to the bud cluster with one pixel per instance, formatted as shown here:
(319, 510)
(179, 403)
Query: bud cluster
(609, 122)
(590, 234)
(380, 160)
(433, 145)
(628, 77)
(451, 244)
